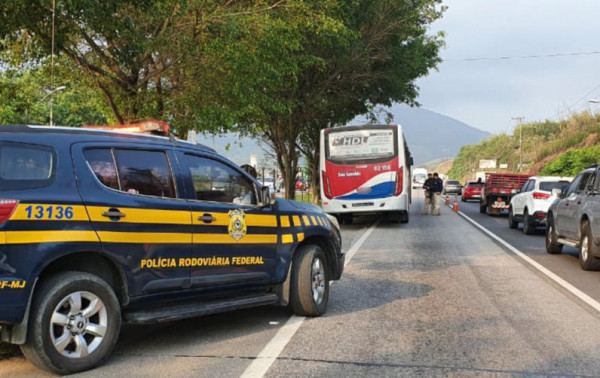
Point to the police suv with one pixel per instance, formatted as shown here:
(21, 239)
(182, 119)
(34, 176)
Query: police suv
(99, 228)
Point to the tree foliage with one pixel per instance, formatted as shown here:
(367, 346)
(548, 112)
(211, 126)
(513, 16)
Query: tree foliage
(572, 162)
(278, 69)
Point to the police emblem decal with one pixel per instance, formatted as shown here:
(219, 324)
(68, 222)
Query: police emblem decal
(237, 224)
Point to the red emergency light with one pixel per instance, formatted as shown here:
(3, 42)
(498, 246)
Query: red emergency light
(147, 127)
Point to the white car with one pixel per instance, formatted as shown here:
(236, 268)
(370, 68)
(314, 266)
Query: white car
(531, 204)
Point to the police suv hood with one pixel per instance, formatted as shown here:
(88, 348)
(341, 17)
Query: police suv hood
(289, 205)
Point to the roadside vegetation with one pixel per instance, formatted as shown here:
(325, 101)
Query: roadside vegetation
(561, 148)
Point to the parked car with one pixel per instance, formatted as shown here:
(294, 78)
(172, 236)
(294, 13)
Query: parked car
(99, 228)
(472, 191)
(452, 187)
(574, 218)
(301, 184)
(531, 204)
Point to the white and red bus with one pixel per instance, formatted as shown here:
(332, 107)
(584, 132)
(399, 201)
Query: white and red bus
(365, 170)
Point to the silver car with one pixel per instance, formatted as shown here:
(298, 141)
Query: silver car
(574, 218)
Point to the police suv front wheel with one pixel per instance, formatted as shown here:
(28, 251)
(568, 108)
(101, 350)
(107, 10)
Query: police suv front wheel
(74, 325)
(309, 282)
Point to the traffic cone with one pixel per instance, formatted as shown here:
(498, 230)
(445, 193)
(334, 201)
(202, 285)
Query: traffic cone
(447, 200)
(455, 206)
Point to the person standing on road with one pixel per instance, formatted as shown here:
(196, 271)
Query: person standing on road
(436, 188)
(428, 194)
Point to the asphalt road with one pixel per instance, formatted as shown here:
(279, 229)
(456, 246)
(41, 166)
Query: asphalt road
(434, 297)
(565, 265)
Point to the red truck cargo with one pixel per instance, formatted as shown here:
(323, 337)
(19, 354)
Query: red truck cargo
(499, 189)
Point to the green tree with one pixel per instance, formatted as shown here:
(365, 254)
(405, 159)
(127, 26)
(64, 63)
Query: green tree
(148, 58)
(24, 99)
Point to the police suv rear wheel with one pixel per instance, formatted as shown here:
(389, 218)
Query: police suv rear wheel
(309, 282)
(74, 325)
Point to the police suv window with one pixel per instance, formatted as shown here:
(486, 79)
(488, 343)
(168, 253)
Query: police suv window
(217, 182)
(133, 171)
(145, 172)
(102, 164)
(25, 167)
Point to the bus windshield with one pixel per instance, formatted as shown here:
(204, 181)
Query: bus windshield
(361, 145)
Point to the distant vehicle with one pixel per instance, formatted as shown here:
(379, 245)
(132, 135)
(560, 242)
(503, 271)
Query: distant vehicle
(419, 177)
(574, 218)
(452, 187)
(472, 191)
(531, 204)
(365, 170)
(498, 189)
(301, 184)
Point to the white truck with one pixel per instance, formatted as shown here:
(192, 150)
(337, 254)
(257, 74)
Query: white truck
(418, 177)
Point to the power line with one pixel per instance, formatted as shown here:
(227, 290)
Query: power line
(557, 55)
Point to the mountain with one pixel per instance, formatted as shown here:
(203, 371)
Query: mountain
(429, 135)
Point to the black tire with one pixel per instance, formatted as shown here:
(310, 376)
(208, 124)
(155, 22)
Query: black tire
(588, 249)
(309, 290)
(80, 308)
(552, 245)
(404, 217)
(511, 221)
(528, 228)
(482, 207)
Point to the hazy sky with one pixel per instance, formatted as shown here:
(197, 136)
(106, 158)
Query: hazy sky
(488, 93)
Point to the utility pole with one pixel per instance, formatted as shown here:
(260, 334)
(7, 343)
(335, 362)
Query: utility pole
(520, 120)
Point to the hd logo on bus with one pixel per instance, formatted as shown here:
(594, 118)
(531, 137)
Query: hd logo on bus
(350, 141)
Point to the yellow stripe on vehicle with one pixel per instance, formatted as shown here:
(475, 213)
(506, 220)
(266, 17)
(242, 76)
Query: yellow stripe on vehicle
(228, 239)
(296, 221)
(300, 236)
(2, 237)
(285, 221)
(133, 215)
(145, 237)
(287, 238)
(314, 220)
(49, 212)
(22, 237)
(306, 220)
(222, 219)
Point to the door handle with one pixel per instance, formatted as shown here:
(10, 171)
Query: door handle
(113, 214)
(207, 218)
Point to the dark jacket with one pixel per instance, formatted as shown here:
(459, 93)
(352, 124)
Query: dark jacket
(437, 185)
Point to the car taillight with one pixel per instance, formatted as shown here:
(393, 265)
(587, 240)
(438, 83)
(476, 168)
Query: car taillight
(7, 208)
(326, 186)
(399, 181)
(538, 195)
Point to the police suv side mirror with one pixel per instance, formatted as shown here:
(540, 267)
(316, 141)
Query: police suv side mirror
(265, 196)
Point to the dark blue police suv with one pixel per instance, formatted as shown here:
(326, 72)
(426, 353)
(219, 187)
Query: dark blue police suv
(99, 228)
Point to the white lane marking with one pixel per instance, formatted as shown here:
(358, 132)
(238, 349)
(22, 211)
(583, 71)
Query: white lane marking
(271, 351)
(567, 286)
